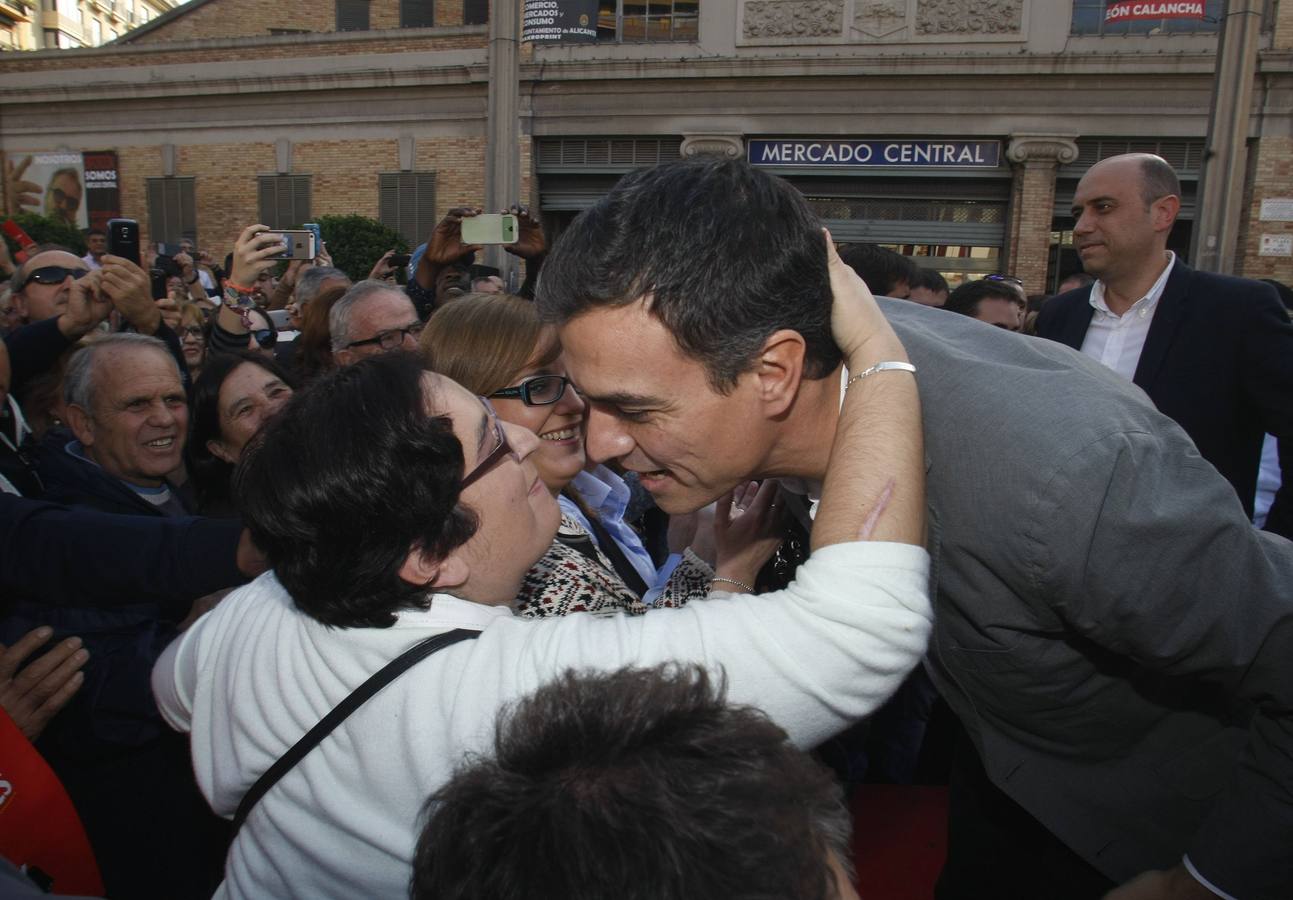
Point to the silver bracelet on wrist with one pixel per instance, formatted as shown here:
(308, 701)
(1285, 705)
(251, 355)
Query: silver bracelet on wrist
(891, 366)
(741, 584)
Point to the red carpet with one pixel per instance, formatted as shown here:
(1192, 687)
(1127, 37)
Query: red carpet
(899, 840)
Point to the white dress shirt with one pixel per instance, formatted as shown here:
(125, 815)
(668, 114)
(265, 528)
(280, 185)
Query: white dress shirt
(1117, 340)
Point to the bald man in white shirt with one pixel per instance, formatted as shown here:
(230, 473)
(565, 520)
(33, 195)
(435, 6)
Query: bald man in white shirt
(1213, 352)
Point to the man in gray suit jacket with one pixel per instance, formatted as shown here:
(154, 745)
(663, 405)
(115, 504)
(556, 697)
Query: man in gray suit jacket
(1115, 637)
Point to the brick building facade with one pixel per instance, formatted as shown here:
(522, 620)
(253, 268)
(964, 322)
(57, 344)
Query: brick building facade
(229, 106)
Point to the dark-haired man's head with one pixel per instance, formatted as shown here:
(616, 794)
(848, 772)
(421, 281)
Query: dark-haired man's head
(1075, 281)
(96, 241)
(642, 783)
(928, 288)
(886, 273)
(996, 303)
(694, 307)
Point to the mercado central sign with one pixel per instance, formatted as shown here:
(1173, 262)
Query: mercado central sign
(941, 153)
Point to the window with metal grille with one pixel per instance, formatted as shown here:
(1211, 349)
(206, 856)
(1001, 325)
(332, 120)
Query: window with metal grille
(1185, 155)
(406, 202)
(605, 154)
(352, 15)
(633, 21)
(172, 213)
(417, 13)
(475, 12)
(283, 200)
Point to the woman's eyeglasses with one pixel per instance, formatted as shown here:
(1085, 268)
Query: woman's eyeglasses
(192, 331)
(491, 459)
(541, 390)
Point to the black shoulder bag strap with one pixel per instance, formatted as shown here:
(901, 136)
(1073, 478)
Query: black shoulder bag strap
(378, 680)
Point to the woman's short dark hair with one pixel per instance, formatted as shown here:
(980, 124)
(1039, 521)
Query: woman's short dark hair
(209, 473)
(641, 784)
(344, 482)
(728, 253)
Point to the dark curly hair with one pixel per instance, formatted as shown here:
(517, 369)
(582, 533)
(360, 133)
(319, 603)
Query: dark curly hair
(642, 784)
(348, 477)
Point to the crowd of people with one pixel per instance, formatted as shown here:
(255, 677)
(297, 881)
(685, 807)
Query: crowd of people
(619, 584)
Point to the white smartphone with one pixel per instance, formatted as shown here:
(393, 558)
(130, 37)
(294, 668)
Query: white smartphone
(490, 228)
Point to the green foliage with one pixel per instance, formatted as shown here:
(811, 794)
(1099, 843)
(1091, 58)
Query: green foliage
(357, 242)
(44, 230)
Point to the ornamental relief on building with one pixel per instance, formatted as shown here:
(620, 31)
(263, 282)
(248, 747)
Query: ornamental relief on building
(878, 21)
(793, 18)
(970, 17)
(880, 18)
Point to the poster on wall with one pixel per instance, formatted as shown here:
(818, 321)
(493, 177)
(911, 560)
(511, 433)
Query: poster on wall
(102, 187)
(1133, 10)
(559, 21)
(81, 189)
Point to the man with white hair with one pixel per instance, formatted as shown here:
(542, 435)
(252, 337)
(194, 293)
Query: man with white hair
(371, 318)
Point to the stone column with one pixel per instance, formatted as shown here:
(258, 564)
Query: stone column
(502, 129)
(1036, 158)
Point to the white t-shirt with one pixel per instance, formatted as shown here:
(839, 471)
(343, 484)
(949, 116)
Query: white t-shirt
(251, 677)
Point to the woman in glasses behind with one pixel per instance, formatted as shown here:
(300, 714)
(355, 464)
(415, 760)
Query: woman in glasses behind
(495, 346)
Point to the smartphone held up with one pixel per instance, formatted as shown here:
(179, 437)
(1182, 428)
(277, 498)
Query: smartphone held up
(490, 228)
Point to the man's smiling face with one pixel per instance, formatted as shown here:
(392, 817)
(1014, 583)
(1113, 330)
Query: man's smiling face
(654, 409)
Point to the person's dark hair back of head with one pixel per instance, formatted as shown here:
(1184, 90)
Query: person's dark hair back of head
(98, 231)
(965, 299)
(348, 477)
(929, 279)
(1158, 179)
(881, 268)
(728, 253)
(642, 784)
(210, 474)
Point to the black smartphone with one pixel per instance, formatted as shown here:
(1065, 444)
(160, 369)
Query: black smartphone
(123, 239)
(158, 277)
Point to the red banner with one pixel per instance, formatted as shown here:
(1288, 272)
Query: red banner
(1130, 10)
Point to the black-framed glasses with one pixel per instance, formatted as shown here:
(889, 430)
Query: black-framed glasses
(541, 390)
(491, 459)
(1008, 279)
(53, 275)
(391, 338)
(192, 331)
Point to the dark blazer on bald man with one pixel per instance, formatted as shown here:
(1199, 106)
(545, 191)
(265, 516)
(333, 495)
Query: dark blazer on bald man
(1219, 360)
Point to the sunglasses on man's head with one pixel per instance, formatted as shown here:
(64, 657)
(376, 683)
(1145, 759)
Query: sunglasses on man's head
(1008, 279)
(53, 275)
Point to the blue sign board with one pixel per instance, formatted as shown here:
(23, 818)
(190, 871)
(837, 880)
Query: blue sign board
(902, 154)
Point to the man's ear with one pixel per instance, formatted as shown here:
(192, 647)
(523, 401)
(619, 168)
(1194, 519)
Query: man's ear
(81, 424)
(780, 369)
(423, 569)
(342, 357)
(1165, 210)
